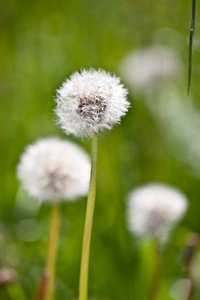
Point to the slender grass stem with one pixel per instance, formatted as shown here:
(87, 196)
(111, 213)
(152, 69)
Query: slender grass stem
(52, 250)
(84, 270)
(155, 283)
(192, 29)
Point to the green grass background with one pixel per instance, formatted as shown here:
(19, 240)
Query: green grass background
(42, 43)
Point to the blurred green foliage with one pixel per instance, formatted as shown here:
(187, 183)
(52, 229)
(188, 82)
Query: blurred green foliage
(43, 42)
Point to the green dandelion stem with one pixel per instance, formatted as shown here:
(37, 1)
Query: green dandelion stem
(53, 245)
(84, 270)
(155, 283)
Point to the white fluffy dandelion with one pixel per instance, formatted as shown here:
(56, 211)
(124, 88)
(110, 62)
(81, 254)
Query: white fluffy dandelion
(148, 67)
(54, 169)
(153, 209)
(90, 101)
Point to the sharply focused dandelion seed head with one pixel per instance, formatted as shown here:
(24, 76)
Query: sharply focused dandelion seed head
(89, 102)
(54, 169)
(146, 68)
(153, 209)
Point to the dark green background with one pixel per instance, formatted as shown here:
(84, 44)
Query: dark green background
(42, 43)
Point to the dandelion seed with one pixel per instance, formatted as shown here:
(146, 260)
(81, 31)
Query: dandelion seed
(89, 102)
(153, 209)
(54, 169)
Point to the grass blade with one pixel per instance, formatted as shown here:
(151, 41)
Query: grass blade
(192, 28)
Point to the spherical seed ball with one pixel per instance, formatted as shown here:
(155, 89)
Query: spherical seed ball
(150, 67)
(7, 276)
(89, 102)
(153, 209)
(54, 169)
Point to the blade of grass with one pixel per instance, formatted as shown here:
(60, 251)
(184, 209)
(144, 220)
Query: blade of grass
(192, 28)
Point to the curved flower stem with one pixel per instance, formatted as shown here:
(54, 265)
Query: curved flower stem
(84, 270)
(155, 283)
(52, 250)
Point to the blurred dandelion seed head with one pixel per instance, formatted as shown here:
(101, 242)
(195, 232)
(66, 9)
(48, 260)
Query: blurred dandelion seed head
(147, 68)
(90, 101)
(54, 169)
(173, 114)
(7, 275)
(153, 209)
(180, 290)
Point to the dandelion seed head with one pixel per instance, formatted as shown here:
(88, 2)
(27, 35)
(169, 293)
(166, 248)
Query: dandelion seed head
(54, 169)
(89, 102)
(149, 67)
(181, 288)
(153, 209)
(7, 275)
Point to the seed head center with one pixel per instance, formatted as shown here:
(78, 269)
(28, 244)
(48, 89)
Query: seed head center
(92, 108)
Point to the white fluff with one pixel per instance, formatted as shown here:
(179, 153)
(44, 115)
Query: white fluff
(89, 102)
(153, 209)
(54, 169)
(179, 122)
(148, 67)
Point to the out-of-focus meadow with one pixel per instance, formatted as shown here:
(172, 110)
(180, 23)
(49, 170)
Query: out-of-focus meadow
(42, 43)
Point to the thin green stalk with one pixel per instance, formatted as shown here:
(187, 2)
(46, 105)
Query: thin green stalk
(155, 283)
(84, 270)
(190, 253)
(192, 28)
(52, 250)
